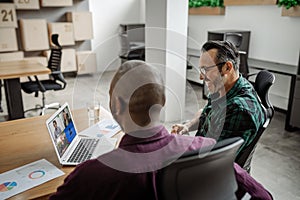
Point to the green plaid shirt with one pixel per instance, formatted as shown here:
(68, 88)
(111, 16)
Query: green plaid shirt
(239, 113)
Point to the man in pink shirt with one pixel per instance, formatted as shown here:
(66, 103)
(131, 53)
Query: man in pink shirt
(137, 95)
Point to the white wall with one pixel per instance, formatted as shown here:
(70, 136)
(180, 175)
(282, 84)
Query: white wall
(273, 37)
(107, 16)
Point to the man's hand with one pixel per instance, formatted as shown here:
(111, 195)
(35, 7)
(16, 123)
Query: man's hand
(180, 129)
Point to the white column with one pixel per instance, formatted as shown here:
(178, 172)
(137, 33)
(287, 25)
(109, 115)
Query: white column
(166, 45)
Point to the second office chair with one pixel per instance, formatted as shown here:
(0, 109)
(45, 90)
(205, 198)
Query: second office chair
(55, 82)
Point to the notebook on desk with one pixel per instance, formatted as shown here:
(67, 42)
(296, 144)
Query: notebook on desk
(70, 148)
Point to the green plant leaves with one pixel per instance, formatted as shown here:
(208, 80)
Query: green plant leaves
(288, 3)
(211, 3)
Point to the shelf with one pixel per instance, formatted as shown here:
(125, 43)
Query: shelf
(249, 2)
(207, 11)
(292, 12)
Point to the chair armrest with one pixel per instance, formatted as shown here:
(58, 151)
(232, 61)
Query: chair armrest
(61, 78)
(251, 74)
(29, 78)
(41, 86)
(57, 75)
(134, 49)
(56, 72)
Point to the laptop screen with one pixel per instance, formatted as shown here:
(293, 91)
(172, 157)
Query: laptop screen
(62, 129)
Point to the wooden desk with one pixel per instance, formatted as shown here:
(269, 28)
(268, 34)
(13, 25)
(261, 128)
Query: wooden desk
(27, 140)
(11, 72)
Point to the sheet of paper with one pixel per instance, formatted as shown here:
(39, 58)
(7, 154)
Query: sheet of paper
(106, 127)
(28, 176)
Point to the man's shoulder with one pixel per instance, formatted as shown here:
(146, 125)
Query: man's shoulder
(246, 98)
(244, 106)
(89, 165)
(92, 170)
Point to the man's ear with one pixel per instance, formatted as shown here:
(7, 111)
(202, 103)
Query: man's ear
(227, 67)
(119, 105)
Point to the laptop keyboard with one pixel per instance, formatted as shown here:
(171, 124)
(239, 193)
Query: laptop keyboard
(84, 150)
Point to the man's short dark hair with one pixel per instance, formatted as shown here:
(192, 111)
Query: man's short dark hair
(226, 52)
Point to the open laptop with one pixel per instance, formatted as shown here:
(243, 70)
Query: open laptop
(72, 149)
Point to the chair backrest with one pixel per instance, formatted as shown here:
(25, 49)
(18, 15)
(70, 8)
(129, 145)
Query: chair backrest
(208, 175)
(55, 56)
(131, 51)
(54, 63)
(244, 68)
(263, 81)
(235, 38)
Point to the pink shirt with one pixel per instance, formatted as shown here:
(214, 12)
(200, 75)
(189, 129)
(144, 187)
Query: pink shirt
(129, 172)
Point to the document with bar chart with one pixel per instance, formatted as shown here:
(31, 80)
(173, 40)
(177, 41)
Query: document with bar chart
(28, 176)
(105, 127)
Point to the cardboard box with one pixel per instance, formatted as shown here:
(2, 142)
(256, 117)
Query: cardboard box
(68, 60)
(56, 3)
(8, 17)
(83, 25)
(86, 62)
(19, 55)
(65, 32)
(34, 34)
(27, 4)
(8, 40)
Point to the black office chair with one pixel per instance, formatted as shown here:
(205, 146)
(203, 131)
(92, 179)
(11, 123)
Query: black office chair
(244, 68)
(131, 50)
(263, 82)
(56, 80)
(234, 38)
(208, 175)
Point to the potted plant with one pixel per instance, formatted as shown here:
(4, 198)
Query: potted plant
(249, 2)
(290, 7)
(206, 7)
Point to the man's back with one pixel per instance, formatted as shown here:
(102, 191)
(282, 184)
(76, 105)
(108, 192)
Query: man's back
(129, 171)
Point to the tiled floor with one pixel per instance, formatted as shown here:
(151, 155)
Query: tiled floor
(276, 162)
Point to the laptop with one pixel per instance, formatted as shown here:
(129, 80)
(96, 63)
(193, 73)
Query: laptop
(70, 148)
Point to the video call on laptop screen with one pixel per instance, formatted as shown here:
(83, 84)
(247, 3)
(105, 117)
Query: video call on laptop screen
(62, 130)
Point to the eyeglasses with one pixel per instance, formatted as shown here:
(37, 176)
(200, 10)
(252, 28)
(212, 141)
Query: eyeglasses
(204, 70)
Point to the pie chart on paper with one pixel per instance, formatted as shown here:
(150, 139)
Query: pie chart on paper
(7, 186)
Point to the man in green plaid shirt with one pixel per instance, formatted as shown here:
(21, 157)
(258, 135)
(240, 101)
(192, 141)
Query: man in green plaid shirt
(233, 107)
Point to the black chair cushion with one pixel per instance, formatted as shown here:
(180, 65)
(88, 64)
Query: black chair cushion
(32, 86)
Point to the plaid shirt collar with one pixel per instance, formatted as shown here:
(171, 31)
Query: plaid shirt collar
(218, 101)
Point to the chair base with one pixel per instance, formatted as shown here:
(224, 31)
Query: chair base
(54, 106)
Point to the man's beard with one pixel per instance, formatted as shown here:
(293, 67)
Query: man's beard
(218, 84)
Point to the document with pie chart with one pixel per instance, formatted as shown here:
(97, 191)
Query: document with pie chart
(28, 176)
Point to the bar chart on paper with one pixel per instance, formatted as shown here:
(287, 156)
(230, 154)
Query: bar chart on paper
(23, 178)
